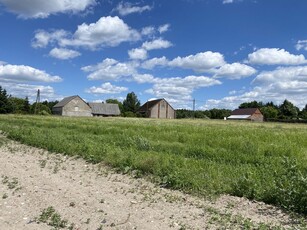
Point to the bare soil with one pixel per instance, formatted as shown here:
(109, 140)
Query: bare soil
(96, 197)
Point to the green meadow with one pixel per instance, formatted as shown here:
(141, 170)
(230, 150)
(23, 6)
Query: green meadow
(261, 161)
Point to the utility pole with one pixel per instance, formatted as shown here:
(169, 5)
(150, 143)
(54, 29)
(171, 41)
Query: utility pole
(193, 108)
(38, 98)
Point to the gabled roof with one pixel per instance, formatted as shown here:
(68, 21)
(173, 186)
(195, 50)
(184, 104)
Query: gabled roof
(104, 109)
(65, 101)
(149, 105)
(247, 111)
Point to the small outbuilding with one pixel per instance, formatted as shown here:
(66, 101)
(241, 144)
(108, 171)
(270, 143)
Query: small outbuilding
(248, 114)
(159, 108)
(72, 106)
(105, 110)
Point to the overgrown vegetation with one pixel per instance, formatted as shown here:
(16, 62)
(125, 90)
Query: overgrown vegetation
(261, 161)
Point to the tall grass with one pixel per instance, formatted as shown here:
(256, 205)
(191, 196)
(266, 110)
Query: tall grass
(265, 162)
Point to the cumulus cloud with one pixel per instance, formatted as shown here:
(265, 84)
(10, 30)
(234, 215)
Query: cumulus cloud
(164, 28)
(64, 54)
(43, 38)
(137, 54)
(200, 62)
(282, 74)
(43, 9)
(152, 63)
(109, 69)
(143, 78)
(23, 73)
(126, 8)
(301, 44)
(235, 71)
(227, 1)
(277, 85)
(177, 89)
(106, 88)
(275, 56)
(107, 31)
(157, 44)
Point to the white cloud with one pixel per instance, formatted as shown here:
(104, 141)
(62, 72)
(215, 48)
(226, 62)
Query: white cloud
(43, 38)
(151, 63)
(22, 73)
(109, 69)
(163, 28)
(143, 78)
(107, 31)
(200, 62)
(30, 91)
(125, 8)
(283, 83)
(157, 44)
(148, 31)
(301, 44)
(227, 1)
(235, 71)
(106, 88)
(177, 90)
(43, 9)
(282, 74)
(274, 56)
(137, 54)
(64, 54)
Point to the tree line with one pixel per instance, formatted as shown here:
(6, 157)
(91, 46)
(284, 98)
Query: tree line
(131, 104)
(9, 104)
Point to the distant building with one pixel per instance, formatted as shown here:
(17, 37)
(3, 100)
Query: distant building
(105, 110)
(72, 106)
(159, 108)
(75, 106)
(249, 114)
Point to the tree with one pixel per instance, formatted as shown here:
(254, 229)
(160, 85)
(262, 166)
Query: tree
(131, 103)
(288, 110)
(5, 104)
(269, 112)
(252, 104)
(115, 101)
(26, 105)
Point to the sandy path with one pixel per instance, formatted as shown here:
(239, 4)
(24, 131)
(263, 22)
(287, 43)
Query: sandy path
(95, 197)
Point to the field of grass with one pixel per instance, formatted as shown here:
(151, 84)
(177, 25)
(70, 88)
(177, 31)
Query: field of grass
(262, 161)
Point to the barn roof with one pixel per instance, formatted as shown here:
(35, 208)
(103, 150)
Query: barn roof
(247, 111)
(238, 117)
(65, 101)
(104, 109)
(149, 105)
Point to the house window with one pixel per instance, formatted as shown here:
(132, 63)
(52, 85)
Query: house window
(76, 108)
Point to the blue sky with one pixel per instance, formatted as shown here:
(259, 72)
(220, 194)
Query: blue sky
(219, 52)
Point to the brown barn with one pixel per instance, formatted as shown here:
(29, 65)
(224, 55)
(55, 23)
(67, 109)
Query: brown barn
(249, 114)
(159, 108)
(72, 106)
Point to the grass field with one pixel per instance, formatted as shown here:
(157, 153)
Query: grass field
(261, 161)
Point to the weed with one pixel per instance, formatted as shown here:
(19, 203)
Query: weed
(52, 218)
(42, 163)
(4, 196)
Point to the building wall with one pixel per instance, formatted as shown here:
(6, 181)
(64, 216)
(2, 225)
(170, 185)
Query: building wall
(77, 107)
(162, 110)
(257, 117)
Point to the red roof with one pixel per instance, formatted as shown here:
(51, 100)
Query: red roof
(247, 111)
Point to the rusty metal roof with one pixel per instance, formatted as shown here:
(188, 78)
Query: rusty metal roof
(247, 111)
